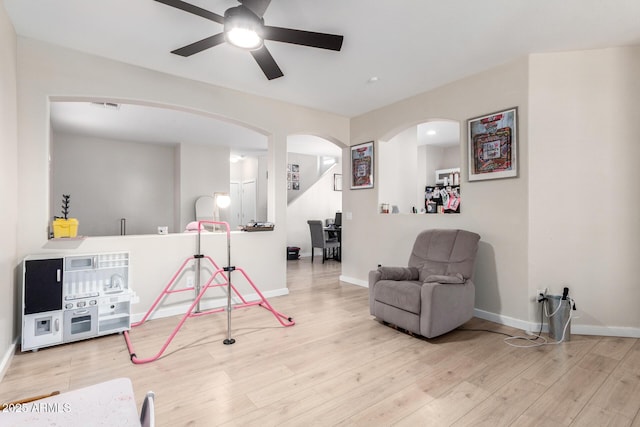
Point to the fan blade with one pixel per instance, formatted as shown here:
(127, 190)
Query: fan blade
(304, 38)
(267, 63)
(258, 7)
(178, 4)
(199, 46)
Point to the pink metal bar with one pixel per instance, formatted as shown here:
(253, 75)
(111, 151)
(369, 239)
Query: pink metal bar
(162, 294)
(132, 354)
(262, 302)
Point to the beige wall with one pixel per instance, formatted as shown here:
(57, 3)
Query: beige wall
(584, 200)
(497, 210)
(398, 171)
(569, 219)
(8, 187)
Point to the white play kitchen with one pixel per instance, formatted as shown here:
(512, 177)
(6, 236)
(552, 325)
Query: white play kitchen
(69, 298)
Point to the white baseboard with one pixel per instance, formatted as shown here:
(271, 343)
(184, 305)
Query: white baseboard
(6, 359)
(509, 321)
(605, 331)
(205, 304)
(354, 281)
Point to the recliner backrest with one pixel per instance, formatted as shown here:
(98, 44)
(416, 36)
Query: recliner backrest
(444, 252)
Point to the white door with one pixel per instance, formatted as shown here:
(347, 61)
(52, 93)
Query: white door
(235, 209)
(249, 201)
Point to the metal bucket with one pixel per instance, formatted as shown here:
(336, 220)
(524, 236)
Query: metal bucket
(559, 315)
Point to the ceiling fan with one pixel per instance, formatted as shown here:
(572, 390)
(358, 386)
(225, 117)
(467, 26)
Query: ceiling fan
(244, 27)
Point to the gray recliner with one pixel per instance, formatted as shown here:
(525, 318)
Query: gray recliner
(435, 293)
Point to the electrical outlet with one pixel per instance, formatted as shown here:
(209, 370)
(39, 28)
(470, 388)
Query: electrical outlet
(540, 294)
(190, 281)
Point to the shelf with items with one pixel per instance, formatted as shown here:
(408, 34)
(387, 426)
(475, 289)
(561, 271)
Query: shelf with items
(442, 199)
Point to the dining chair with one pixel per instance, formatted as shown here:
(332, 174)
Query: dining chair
(318, 240)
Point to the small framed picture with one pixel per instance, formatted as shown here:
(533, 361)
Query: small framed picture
(362, 166)
(337, 182)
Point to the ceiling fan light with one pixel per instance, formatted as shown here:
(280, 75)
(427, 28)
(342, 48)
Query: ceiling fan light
(242, 28)
(244, 38)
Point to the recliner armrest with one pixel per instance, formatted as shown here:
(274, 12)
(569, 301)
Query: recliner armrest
(398, 273)
(374, 277)
(445, 307)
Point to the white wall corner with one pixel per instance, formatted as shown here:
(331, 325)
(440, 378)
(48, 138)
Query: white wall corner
(507, 321)
(354, 281)
(6, 359)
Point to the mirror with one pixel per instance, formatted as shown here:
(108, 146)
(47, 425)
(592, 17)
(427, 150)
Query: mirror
(132, 168)
(416, 160)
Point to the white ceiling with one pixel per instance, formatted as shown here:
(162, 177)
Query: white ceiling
(441, 133)
(141, 123)
(411, 46)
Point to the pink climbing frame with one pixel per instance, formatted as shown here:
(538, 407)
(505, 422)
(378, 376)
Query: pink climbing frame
(193, 310)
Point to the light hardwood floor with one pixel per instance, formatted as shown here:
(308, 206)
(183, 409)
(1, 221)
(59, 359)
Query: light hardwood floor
(338, 366)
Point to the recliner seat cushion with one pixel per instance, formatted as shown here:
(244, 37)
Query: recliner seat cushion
(404, 295)
(455, 279)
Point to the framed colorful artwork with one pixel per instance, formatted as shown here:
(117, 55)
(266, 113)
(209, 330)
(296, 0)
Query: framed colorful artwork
(362, 166)
(493, 145)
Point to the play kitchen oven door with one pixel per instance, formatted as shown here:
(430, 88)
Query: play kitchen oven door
(80, 323)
